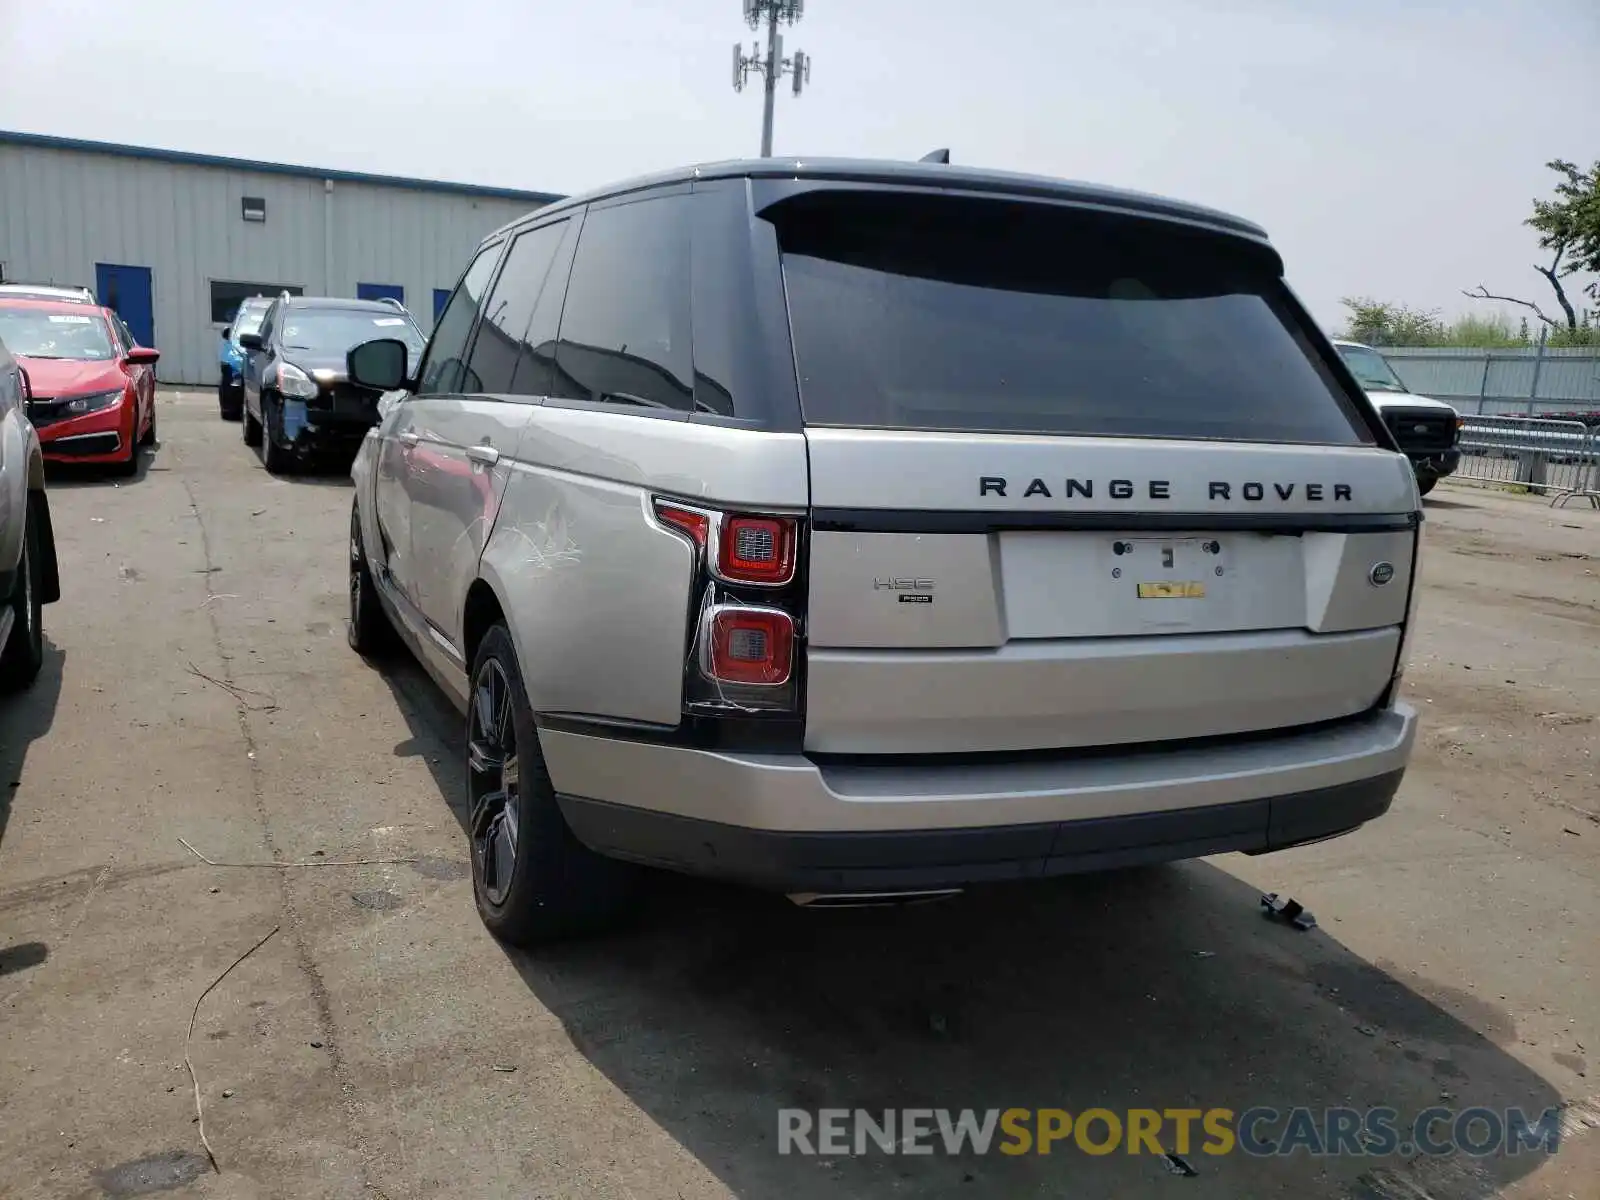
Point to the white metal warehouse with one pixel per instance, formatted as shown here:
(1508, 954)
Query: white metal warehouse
(173, 240)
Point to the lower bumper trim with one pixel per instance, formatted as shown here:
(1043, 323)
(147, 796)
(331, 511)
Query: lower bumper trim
(881, 860)
(81, 445)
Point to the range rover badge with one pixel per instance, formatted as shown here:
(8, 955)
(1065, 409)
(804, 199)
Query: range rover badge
(1380, 574)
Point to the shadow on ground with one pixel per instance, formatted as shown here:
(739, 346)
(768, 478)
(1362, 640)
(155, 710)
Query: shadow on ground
(64, 476)
(25, 717)
(328, 475)
(18, 958)
(1160, 988)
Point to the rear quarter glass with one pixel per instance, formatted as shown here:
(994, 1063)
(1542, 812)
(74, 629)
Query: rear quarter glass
(927, 312)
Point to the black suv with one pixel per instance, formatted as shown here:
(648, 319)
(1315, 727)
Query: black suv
(298, 401)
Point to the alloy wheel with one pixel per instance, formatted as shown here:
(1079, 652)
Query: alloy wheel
(494, 781)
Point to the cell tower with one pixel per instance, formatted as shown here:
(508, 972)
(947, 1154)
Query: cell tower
(774, 65)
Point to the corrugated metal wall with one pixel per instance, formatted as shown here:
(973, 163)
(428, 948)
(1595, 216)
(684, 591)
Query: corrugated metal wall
(1502, 381)
(61, 212)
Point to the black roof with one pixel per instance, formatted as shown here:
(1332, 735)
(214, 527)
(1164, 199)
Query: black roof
(930, 175)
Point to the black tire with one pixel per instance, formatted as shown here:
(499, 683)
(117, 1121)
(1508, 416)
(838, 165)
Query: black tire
(230, 400)
(24, 649)
(149, 439)
(1425, 483)
(532, 880)
(252, 427)
(367, 628)
(273, 456)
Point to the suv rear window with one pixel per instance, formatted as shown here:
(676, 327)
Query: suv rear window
(985, 316)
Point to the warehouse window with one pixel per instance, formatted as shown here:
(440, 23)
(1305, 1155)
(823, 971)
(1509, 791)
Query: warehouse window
(226, 294)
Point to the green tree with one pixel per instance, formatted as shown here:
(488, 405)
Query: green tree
(1569, 228)
(1377, 323)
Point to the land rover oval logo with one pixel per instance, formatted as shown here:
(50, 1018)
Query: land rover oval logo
(1381, 573)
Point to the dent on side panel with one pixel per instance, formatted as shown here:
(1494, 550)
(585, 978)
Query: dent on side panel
(598, 594)
(595, 593)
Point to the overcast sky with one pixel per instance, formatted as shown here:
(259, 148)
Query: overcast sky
(1391, 147)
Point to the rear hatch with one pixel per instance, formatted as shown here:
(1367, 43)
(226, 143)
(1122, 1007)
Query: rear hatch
(1078, 479)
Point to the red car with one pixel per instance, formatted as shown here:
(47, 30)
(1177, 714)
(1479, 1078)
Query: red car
(93, 388)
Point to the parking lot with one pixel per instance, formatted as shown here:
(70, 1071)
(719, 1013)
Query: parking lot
(197, 685)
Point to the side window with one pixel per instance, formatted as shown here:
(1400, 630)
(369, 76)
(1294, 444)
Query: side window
(443, 370)
(507, 311)
(120, 333)
(625, 326)
(536, 356)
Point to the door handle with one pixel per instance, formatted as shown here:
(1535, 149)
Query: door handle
(487, 455)
(409, 438)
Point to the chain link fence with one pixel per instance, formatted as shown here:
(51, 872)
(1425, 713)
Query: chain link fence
(1557, 458)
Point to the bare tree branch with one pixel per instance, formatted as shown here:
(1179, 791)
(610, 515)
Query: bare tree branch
(1553, 273)
(1484, 293)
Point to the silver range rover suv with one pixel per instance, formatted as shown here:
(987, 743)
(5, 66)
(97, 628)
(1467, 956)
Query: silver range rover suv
(850, 529)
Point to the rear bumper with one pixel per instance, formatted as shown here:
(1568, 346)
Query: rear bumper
(793, 824)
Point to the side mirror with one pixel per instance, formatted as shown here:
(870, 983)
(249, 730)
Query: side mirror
(227, 333)
(250, 341)
(379, 364)
(144, 356)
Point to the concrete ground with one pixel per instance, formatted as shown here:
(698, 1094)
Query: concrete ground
(381, 1044)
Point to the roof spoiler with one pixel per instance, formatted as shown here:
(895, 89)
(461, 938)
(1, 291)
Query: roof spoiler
(936, 156)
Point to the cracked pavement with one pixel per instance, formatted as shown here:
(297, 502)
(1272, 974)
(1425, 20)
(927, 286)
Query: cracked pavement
(383, 1045)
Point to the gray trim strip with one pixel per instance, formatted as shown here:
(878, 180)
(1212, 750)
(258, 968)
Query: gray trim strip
(864, 520)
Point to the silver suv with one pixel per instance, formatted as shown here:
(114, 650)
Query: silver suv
(871, 529)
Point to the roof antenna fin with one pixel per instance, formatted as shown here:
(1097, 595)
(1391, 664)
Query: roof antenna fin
(936, 156)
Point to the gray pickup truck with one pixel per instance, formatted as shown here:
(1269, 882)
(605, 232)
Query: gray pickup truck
(28, 575)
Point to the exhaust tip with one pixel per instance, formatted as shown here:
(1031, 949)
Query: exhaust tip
(871, 899)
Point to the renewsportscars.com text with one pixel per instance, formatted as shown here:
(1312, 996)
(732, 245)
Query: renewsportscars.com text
(1260, 1131)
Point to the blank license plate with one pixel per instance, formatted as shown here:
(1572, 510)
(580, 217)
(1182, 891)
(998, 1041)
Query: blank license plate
(1169, 568)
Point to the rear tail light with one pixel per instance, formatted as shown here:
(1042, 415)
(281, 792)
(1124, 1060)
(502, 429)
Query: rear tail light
(691, 522)
(756, 550)
(743, 657)
(746, 645)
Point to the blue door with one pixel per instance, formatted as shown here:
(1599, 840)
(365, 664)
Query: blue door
(127, 291)
(380, 291)
(441, 297)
